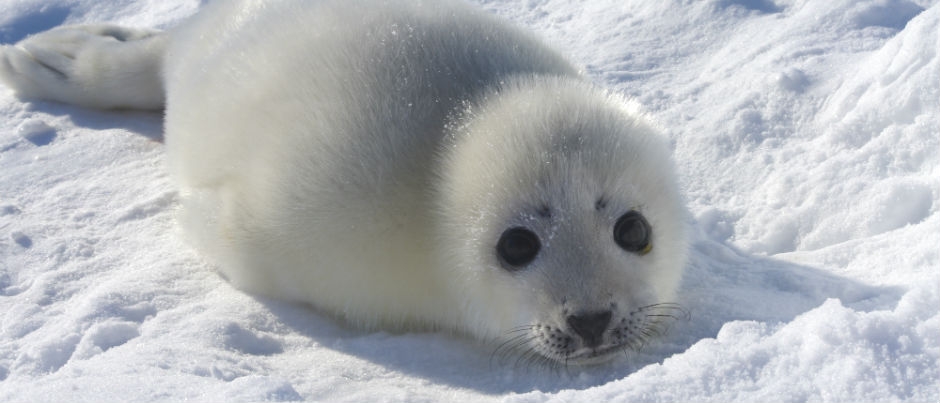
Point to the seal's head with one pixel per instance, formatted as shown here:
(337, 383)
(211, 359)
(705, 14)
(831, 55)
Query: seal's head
(561, 222)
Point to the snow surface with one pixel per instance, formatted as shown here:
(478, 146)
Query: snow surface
(807, 134)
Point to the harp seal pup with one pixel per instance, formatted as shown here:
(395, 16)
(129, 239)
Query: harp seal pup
(400, 164)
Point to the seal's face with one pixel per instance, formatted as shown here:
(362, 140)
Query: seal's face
(594, 270)
(591, 275)
(568, 225)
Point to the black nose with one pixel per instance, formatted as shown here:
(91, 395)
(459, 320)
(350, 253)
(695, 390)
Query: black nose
(590, 326)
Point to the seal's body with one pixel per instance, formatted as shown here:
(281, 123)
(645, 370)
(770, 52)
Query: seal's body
(400, 164)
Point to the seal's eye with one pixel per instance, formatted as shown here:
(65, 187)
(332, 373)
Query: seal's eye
(632, 233)
(518, 247)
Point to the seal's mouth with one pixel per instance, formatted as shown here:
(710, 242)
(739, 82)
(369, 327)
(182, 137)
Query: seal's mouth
(588, 356)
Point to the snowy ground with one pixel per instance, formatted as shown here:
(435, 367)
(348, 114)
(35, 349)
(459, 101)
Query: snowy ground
(807, 133)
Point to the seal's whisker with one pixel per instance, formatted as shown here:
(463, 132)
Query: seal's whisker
(518, 329)
(533, 360)
(511, 345)
(683, 313)
(523, 358)
(664, 316)
(517, 339)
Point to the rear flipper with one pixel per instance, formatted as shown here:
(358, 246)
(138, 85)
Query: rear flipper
(100, 66)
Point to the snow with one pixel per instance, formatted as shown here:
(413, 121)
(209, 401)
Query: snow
(806, 134)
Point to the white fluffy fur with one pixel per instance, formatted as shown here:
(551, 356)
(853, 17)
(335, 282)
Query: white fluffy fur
(365, 159)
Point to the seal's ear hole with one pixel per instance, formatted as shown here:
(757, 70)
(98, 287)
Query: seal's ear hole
(632, 233)
(517, 247)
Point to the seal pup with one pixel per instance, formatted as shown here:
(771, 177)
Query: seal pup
(400, 164)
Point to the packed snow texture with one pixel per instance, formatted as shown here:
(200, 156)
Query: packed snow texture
(807, 136)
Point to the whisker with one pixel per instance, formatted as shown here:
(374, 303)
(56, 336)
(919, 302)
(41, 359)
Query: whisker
(554, 365)
(520, 328)
(515, 340)
(532, 360)
(660, 305)
(649, 333)
(669, 306)
(512, 340)
(523, 358)
(521, 345)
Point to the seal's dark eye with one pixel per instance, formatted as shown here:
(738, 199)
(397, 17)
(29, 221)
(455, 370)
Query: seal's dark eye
(632, 233)
(518, 247)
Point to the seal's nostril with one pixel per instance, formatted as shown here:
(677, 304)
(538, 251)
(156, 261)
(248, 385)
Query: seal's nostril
(590, 326)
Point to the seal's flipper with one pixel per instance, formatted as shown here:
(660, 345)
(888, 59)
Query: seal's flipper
(101, 66)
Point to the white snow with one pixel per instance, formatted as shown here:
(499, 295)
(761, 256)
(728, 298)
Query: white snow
(807, 135)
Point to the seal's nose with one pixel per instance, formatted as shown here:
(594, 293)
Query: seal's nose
(590, 326)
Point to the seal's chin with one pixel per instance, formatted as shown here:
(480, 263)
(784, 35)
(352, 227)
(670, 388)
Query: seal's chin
(593, 356)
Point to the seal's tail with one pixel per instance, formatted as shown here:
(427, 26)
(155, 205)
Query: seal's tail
(100, 66)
